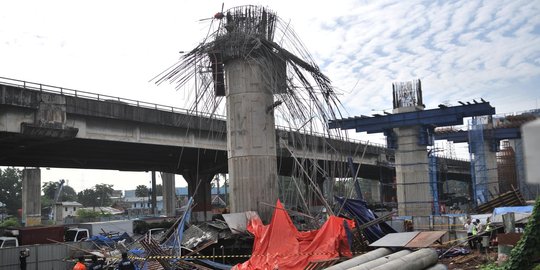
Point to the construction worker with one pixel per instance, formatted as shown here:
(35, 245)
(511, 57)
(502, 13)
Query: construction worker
(469, 227)
(125, 263)
(488, 224)
(96, 265)
(23, 254)
(479, 227)
(474, 232)
(479, 232)
(80, 264)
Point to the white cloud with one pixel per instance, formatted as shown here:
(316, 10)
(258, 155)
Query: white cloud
(461, 49)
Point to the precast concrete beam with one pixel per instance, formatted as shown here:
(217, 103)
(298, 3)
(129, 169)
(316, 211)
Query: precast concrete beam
(438, 266)
(31, 197)
(364, 258)
(418, 260)
(380, 261)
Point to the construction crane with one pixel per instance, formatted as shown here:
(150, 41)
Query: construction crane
(52, 216)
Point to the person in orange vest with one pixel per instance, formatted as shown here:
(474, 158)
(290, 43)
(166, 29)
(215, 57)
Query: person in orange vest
(80, 264)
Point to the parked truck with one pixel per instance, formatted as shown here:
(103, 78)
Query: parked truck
(76, 235)
(108, 227)
(36, 235)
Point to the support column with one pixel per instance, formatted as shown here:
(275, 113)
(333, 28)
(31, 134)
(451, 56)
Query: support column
(251, 138)
(412, 172)
(31, 197)
(201, 195)
(169, 194)
(154, 194)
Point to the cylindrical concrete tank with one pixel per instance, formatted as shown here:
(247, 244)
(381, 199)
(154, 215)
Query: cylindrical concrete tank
(438, 266)
(418, 260)
(370, 256)
(380, 261)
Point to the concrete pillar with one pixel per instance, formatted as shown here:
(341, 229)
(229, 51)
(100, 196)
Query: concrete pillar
(412, 172)
(154, 194)
(31, 197)
(202, 211)
(169, 194)
(251, 138)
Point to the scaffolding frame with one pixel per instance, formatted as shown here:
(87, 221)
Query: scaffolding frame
(479, 173)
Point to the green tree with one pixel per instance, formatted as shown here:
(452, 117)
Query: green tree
(104, 193)
(68, 194)
(141, 191)
(87, 198)
(11, 189)
(10, 222)
(49, 191)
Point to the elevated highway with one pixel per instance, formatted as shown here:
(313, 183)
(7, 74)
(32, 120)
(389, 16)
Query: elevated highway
(47, 126)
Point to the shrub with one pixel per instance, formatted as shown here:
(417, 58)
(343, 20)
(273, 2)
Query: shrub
(10, 222)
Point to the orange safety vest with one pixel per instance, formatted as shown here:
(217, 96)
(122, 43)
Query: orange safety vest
(79, 266)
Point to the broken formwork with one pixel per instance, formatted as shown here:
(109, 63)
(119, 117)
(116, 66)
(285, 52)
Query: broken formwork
(278, 244)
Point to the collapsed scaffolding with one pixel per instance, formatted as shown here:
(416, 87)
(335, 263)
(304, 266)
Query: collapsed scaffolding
(292, 88)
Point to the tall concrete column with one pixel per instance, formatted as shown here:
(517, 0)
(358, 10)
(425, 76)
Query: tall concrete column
(169, 194)
(31, 197)
(412, 171)
(251, 138)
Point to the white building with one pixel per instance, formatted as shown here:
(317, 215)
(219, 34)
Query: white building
(142, 205)
(65, 209)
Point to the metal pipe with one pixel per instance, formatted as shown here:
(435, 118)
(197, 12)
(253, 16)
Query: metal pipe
(370, 256)
(418, 260)
(380, 261)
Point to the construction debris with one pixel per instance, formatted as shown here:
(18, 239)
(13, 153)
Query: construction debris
(510, 198)
(280, 245)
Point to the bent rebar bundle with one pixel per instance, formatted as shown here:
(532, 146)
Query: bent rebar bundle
(304, 99)
(258, 34)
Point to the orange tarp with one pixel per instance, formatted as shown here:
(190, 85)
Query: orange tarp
(280, 245)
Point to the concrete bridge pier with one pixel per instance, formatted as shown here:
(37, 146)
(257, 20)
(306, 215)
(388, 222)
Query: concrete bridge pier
(169, 194)
(251, 140)
(202, 211)
(31, 197)
(414, 196)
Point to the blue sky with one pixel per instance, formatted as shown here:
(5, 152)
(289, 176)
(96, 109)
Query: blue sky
(459, 49)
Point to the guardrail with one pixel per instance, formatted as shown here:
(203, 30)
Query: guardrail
(148, 105)
(99, 97)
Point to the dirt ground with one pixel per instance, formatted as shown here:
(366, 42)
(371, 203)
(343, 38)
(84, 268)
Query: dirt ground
(469, 261)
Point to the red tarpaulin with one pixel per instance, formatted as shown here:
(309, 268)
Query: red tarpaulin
(280, 245)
